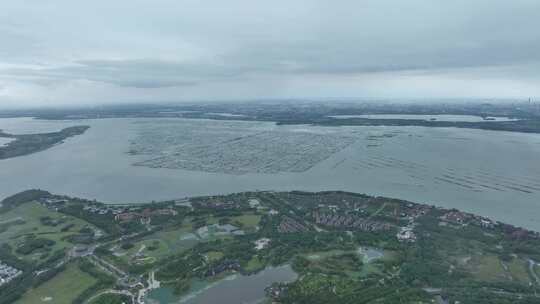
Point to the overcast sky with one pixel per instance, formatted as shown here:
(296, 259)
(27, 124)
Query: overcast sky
(56, 52)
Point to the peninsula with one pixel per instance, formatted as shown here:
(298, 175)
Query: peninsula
(25, 144)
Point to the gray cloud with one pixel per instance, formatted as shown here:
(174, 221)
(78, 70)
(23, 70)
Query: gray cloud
(125, 73)
(239, 48)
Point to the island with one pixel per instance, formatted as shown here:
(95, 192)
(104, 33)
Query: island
(25, 144)
(341, 247)
(522, 125)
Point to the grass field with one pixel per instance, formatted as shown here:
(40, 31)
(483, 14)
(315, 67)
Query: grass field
(339, 261)
(214, 255)
(177, 240)
(55, 291)
(368, 269)
(518, 270)
(248, 220)
(488, 268)
(109, 299)
(161, 251)
(254, 264)
(389, 255)
(31, 214)
(536, 270)
(319, 255)
(491, 268)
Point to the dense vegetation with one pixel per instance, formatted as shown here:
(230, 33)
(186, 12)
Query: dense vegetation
(103, 281)
(32, 143)
(111, 299)
(325, 238)
(15, 200)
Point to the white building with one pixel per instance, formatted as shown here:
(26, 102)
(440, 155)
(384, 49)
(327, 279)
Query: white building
(406, 234)
(262, 243)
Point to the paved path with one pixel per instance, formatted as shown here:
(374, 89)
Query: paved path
(152, 284)
(111, 291)
(531, 270)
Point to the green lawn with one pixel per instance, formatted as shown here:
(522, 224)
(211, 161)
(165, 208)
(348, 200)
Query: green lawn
(176, 240)
(31, 214)
(161, 251)
(323, 254)
(518, 270)
(491, 268)
(254, 264)
(338, 261)
(214, 255)
(367, 269)
(536, 269)
(62, 289)
(389, 255)
(110, 299)
(488, 268)
(248, 220)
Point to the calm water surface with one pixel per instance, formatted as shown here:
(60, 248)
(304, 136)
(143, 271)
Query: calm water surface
(496, 174)
(235, 289)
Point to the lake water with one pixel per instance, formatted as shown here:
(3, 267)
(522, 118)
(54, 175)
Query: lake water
(234, 289)
(496, 174)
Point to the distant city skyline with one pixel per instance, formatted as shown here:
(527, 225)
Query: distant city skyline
(66, 53)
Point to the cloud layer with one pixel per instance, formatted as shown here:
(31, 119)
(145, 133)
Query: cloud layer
(66, 52)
